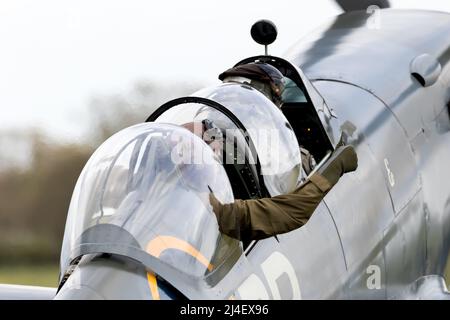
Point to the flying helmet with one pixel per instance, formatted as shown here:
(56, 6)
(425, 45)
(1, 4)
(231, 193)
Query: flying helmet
(261, 76)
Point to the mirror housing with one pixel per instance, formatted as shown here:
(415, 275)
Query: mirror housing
(264, 32)
(426, 69)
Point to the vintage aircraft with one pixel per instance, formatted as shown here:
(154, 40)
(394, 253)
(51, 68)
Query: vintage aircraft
(138, 226)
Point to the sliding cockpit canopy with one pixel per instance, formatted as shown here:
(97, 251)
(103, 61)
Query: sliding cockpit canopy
(144, 194)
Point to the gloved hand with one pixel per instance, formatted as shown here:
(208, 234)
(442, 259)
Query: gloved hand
(344, 159)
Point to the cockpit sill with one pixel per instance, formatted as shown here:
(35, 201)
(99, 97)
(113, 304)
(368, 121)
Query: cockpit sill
(218, 284)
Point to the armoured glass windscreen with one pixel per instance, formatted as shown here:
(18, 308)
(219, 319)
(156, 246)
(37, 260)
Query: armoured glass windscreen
(292, 93)
(147, 188)
(273, 137)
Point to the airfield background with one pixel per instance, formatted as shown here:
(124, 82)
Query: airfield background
(74, 72)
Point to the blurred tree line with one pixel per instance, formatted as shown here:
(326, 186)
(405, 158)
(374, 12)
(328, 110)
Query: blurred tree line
(35, 194)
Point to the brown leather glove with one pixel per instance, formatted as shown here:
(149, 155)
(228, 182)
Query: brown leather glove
(344, 159)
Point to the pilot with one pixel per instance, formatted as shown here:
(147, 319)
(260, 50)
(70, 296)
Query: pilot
(257, 219)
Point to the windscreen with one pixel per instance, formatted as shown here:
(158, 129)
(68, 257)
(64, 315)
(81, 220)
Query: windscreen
(151, 182)
(292, 93)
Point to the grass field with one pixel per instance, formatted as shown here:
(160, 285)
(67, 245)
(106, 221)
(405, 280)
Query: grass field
(40, 275)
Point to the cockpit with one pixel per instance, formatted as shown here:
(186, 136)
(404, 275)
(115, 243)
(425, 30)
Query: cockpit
(144, 192)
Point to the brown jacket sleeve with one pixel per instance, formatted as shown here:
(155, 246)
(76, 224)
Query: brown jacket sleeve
(263, 218)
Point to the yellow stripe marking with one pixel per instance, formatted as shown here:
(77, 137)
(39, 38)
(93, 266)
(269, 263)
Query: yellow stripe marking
(162, 243)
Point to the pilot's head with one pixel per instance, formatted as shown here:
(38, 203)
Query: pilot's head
(261, 76)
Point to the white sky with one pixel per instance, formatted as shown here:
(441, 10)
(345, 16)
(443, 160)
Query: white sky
(56, 54)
